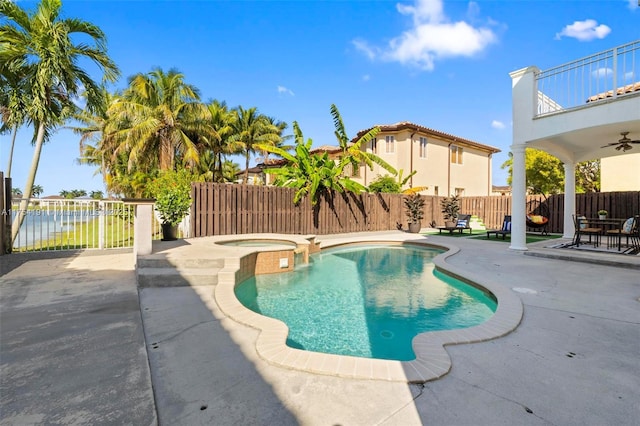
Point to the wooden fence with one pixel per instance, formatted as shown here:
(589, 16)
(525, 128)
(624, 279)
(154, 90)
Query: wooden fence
(219, 209)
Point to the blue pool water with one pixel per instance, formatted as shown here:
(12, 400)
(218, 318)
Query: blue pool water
(366, 301)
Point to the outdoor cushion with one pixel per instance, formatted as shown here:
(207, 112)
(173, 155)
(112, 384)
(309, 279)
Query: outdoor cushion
(627, 226)
(462, 223)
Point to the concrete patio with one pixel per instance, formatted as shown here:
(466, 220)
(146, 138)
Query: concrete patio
(81, 344)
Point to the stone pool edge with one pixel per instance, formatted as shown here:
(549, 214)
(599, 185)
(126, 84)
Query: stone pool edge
(432, 360)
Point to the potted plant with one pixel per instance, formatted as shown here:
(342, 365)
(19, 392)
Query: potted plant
(414, 205)
(172, 192)
(602, 214)
(450, 208)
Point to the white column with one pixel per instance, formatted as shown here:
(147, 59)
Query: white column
(518, 199)
(569, 199)
(142, 229)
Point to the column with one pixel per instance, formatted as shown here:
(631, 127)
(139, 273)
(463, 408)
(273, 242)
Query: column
(569, 199)
(518, 199)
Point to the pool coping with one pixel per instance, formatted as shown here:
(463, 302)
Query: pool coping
(432, 360)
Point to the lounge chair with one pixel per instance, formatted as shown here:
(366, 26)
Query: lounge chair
(464, 222)
(504, 231)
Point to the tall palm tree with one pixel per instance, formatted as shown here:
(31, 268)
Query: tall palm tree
(222, 120)
(251, 129)
(281, 126)
(13, 105)
(157, 118)
(40, 47)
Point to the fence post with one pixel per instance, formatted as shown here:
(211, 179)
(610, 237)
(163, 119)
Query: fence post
(142, 225)
(102, 217)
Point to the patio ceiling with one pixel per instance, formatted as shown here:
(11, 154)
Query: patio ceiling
(580, 134)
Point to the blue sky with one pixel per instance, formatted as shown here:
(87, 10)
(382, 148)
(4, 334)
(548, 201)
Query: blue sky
(443, 65)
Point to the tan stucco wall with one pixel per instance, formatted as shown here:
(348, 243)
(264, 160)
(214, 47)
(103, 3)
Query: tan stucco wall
(474, 174)
(620, 173)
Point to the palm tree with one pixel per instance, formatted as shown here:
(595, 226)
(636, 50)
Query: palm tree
(13, 104)
(39, 46)
(281, 127)
(230, 170)
(157, 119)
(222, 121)
(251, 129)
(37, 191)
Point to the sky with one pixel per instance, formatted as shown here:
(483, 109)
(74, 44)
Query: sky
(440, 64)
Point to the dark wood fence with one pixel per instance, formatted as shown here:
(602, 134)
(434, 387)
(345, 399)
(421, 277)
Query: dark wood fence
(220, 209)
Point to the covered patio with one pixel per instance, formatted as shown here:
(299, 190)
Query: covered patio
(576, 112)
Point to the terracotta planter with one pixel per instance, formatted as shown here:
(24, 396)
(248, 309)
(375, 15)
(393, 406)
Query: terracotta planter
(169, 232)
(450, 223)
(414, 227)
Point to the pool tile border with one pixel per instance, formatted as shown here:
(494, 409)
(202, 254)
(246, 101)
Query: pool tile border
(432, 360)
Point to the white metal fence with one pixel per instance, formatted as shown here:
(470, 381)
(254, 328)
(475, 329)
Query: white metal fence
(78, 224)
(605, 75)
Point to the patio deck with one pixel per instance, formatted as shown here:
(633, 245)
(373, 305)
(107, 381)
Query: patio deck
(572, 360)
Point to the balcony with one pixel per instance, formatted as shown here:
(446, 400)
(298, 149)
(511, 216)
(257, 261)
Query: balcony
(574, 109)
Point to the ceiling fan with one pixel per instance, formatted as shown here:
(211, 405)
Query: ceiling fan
(624, 143)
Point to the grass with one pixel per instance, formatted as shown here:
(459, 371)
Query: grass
(118, 233)
(482, 235)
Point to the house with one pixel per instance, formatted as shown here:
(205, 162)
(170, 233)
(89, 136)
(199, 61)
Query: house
(574, 114)
(445, 164)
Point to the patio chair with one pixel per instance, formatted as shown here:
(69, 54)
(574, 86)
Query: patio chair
(633, 239)
(504, 231)
(464, 222)
(582, 228)
(614, 236)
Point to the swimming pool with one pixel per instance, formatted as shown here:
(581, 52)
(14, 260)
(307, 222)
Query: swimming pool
(366, 301)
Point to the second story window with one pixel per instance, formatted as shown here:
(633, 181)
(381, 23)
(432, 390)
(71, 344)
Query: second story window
(456, 154)
(390, 148)
(423, 147)
(374, 145)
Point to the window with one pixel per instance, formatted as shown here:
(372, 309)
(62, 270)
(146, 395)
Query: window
(459, 192)
(456, 154)
(435, 190)
(423, 147)
(389, 145)
(374, 145)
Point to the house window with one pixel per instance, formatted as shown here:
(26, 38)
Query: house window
(435, 190)
(390, 149)
(456, 154)
(459, 192)
(374, 145)
(423, 147)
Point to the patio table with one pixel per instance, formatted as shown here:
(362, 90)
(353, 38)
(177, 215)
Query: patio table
(605, 224)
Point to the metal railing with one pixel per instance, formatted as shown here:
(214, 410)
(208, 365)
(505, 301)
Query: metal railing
(78, 224)
(587, 81)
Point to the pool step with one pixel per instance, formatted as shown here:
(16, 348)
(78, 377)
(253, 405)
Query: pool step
(157, 270)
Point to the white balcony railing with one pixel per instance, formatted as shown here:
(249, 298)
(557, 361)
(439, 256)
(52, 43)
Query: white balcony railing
(605, 75)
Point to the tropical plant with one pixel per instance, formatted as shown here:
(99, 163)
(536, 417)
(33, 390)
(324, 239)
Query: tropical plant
(312, 175)
(157, 119)
(172, 191)
(39, 46)
(97, 195)
(13, 106)
(218, 144)
(37, 190)
(414, 205)
(450, 207)
(353, 150)
(230, 170)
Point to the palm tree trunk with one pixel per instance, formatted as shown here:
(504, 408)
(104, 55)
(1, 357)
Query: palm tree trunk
(28, 188)
(246, 170)
(13, 142)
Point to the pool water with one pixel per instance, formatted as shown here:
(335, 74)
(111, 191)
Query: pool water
(366, 301)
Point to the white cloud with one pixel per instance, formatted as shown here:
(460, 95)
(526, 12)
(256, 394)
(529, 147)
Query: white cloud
(282, 89)
(602, 72)
(586, 30)
(431, 37)
(633, 4)
(366, 77)
(497, 124)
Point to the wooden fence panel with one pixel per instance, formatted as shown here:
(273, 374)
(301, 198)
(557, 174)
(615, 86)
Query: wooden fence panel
(222, 209)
